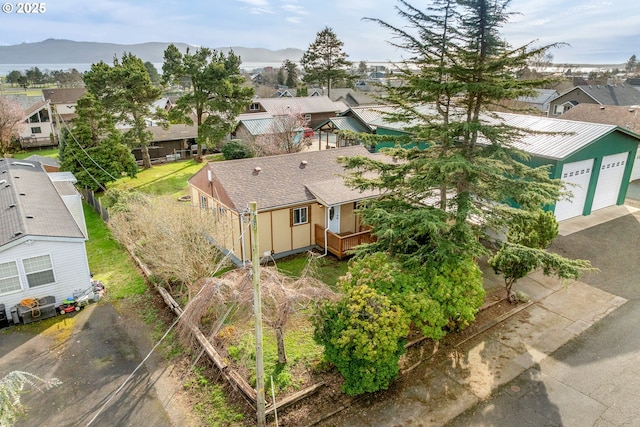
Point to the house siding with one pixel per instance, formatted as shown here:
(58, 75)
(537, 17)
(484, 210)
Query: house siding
(70, 274)
(613, 143)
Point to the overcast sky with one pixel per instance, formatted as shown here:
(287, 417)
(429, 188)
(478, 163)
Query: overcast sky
(598, 31)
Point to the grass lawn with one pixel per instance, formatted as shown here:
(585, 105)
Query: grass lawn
(109, 261)
(49, 152)
(328, 270)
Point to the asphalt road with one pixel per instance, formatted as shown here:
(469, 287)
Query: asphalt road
(594, 379)
(92, 362)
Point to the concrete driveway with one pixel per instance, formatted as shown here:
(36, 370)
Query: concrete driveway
(92, 353)
(594, 379)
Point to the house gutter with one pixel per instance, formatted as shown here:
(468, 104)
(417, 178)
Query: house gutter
(326, 230)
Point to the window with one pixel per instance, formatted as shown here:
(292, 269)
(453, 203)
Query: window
(203, 201)
(300, 215)
(254, 107)
(307, 118)
(36, 129)
(39, 270)
(9, 279)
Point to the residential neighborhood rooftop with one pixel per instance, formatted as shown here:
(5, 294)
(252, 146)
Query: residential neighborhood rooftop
(30, 204)
(283, 180)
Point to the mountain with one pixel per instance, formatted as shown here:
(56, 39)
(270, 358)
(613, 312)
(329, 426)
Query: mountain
(55, 51)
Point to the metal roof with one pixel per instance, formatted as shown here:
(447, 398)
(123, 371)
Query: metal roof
(542, 136)
(370, 114)
(347, 123)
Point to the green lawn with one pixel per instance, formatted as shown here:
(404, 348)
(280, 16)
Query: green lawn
(168, 179)
(109, 261)
(50, 152)
(328, 269)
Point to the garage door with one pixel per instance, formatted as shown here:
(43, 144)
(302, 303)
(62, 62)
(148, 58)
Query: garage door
(578, 174)
(635, 173)
(609, 181)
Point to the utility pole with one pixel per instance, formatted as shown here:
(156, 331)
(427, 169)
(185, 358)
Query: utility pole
(257, 314)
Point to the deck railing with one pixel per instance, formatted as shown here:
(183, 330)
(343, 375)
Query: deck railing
(341, 244)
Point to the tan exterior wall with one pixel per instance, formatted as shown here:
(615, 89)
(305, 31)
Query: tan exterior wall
(318, 216)
(347, 219)
(264, 233)
(280, 221)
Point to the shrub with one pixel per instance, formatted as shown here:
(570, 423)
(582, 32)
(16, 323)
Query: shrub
(364, 336)
(235, 149)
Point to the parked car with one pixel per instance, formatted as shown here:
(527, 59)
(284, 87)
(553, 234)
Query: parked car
(308, 133)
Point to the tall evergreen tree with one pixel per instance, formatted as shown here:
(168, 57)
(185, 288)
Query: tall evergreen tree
(94, 149)
(125, 90)
(470, 167)
(324, 61)
(217, 95)
(292, 73)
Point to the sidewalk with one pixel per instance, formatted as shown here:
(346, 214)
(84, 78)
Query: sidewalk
(434, 394)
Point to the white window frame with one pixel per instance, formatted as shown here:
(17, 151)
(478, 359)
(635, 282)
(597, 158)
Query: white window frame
(9, 278)
(44, 265)
(298, 218)
(255, 106)
(203, 202)
(36, 129)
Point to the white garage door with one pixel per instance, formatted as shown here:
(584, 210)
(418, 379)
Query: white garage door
(609, 181)
(579, 174)
(635, 173)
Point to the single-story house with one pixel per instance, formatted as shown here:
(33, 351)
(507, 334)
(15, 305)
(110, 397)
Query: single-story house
(171, 143)
(540, 101)
(356, 119)
(42, 235)
(315, 109)
(625, 117)
(302, 203)
(596, 159)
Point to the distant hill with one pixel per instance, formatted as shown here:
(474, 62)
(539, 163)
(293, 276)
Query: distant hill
(55, 51)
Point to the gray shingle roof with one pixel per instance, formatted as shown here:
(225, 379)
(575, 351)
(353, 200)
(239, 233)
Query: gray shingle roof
(30, 204)
(282, 180)
(612, 94)
(625, 117)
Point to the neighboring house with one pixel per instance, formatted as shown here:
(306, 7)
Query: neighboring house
(594, 94)
(42, 235)
(352, 97)
(173, 143)
(541, 100)
(315, 109)
(302, 202)
(594, 159)
(38, 130)
(625, 117)
(64, 101)
(633, 82)
(355, 119)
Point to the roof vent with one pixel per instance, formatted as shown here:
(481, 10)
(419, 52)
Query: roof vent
(257, 169)
(29, 216)
(304, 163)
(24, 164)
(602, 107)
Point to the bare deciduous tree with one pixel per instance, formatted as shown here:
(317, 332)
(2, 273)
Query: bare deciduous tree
(232, 295)
(11, 122)
(172, 239)
(284, 135)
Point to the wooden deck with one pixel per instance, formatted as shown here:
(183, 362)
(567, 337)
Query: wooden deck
(341, 244)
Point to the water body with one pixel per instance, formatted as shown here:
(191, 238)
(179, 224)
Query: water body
(82, 67)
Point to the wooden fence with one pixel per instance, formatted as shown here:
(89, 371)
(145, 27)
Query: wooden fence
(94, 202)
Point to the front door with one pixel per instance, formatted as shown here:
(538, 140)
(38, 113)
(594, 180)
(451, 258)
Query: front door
(334, 219)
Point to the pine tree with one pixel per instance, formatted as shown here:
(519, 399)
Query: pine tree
(125, 90)
(470, 167)
(218, 92)
(324, 61)
(94, 150)
(292, 73)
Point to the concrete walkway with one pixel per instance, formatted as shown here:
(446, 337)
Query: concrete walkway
(435, 394)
